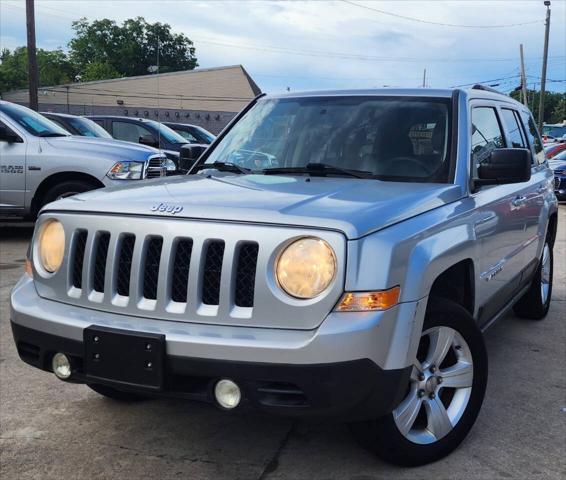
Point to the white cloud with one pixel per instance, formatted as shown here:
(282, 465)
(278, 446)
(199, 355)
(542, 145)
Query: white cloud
(334, 27)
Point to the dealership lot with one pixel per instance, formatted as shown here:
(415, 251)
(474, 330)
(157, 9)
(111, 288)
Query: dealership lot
(49, 429)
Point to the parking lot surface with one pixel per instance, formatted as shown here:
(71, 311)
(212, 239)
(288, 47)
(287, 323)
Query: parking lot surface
(49, 429)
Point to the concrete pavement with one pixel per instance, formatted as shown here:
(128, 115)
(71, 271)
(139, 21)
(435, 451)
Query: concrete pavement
(49, 429)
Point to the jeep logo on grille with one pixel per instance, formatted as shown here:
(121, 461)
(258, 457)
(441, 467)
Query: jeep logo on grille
(166, 208)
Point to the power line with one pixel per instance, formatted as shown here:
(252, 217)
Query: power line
(429, 22)
(352, 56)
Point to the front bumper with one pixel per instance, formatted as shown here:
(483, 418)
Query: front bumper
(352, 367)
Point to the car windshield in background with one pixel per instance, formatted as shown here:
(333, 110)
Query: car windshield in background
(167, 133)
(88, 128)
(33, 122)
(202, 135)
(397, 139)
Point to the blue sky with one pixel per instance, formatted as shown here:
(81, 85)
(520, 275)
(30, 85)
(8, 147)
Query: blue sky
(307, 45)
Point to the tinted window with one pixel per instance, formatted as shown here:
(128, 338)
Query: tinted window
(187, 135)
(87, 128)
(129, 132)
(533, 136)
(513, 128)
(395, 139)
(486, 134)
(33, 122)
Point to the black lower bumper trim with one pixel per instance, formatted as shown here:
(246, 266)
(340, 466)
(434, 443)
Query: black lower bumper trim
(353, 390)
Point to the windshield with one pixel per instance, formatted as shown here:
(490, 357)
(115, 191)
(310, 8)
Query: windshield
(553, 131)
(167, 133)
(88, 128)
(202, 135)
(32, 122)
(397, 139)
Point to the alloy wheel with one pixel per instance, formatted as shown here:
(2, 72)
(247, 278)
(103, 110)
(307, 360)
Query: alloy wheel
(440, 387)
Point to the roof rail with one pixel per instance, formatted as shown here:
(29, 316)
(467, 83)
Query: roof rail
(479, 86)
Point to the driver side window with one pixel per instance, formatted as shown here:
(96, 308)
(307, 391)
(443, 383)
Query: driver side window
(486, 135)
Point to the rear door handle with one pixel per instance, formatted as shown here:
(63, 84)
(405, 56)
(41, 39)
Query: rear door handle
(542, 188)
(519, 201)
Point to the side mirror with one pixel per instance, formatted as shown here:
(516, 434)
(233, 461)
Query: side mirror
(7, 135)
(189, 155)
(149, 141)
(505, 165)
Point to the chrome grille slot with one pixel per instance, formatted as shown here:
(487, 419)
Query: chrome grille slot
(155, 167)
(245, 274)
(180, 270)
(78, 257)
(101, 247)
(126, 252)
(151, 270)
(212, 272)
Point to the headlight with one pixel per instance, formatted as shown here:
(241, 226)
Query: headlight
(126, 171)
(51, 245)
(306, 267)
(169, 165)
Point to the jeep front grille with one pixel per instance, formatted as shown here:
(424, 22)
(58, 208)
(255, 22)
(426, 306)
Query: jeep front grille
(162, 267)
(178, 274)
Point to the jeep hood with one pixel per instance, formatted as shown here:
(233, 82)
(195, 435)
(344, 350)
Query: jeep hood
(354, 206)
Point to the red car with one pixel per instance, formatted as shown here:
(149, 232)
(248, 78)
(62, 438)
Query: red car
(555, 150)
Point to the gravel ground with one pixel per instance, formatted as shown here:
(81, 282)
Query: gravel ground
(49, 429)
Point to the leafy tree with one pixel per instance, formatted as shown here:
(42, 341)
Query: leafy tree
(98, 71)
(554, 104)
(53, 65)
(128, 49)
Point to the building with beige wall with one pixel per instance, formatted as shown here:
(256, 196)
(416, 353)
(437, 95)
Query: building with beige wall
(209, 97)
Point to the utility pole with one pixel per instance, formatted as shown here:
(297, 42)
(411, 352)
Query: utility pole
(544, 61)
(523, 78)
(33, 72)
(424, 78)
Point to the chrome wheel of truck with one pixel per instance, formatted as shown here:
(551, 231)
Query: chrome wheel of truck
(444, 395)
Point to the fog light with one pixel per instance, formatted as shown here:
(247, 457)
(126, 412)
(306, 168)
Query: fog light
(61, 366)
(227, 393)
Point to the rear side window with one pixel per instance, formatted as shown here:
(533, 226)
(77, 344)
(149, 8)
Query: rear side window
(129, 132)
(533, 137)
(514, 128)
(486, 135)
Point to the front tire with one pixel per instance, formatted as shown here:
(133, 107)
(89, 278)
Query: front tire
(66, 189)
(444, 395)
(534, 304)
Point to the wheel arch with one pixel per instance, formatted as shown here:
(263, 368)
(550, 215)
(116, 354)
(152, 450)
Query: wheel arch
(457, 283)
(56, 178)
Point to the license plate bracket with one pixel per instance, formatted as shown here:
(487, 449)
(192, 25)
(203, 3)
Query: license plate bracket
(124, 357)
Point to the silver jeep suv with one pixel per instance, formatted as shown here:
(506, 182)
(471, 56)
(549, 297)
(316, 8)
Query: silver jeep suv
(332, 254)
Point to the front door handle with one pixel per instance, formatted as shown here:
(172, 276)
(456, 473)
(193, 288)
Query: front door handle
(519, 201)
(542, 188)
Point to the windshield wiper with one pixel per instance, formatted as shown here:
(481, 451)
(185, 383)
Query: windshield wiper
(51, 134)
(319, 169)
(224, 167)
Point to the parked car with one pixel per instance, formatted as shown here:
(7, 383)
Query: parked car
(148, 132)
(192, 133)
(554, 133)
(41, 162)
(343, 266)
(554, 149)
(558, 165)
(77, 125)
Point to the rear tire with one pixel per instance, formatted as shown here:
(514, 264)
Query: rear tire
(444, 396)
(114, 394)
(534, 304)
